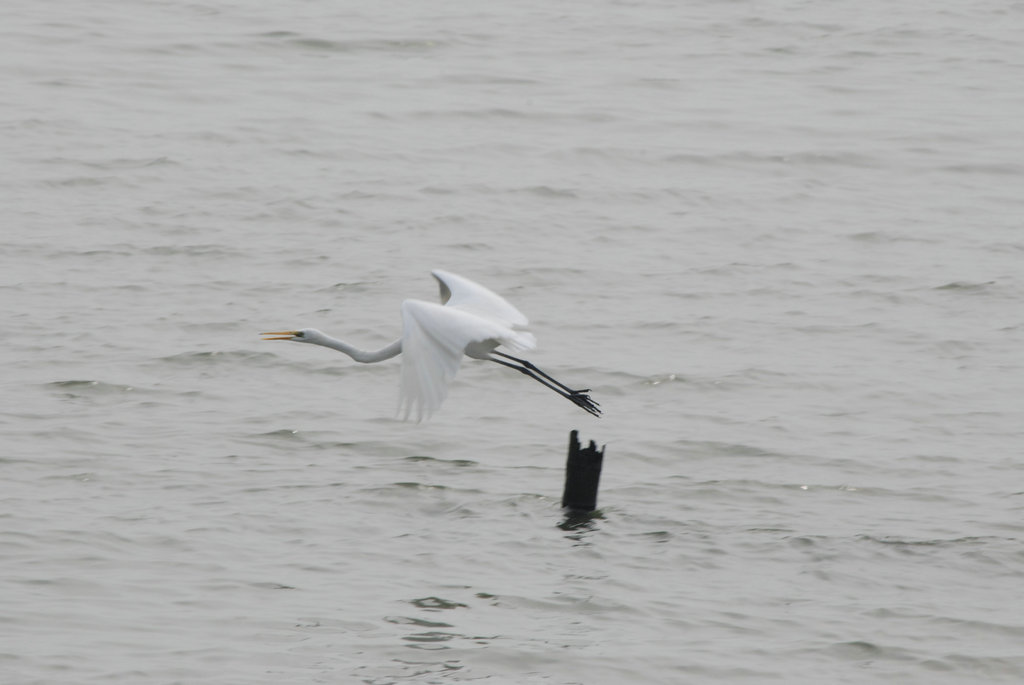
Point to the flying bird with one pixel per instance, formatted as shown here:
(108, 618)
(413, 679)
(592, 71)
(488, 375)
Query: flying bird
(472, 321)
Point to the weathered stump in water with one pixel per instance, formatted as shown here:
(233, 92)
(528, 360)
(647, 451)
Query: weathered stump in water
(582, 475)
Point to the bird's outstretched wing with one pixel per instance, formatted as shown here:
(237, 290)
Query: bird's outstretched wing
(461, 293)
(434, 339)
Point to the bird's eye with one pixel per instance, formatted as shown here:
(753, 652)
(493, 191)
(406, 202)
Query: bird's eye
(300, 334)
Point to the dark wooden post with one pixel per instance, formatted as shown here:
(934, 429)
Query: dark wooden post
(582, 475)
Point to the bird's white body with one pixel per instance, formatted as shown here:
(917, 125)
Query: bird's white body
(472, 321)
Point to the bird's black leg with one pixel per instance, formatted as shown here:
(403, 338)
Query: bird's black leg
(578, 397)
(529, 365)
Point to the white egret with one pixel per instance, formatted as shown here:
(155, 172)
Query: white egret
(471, 320)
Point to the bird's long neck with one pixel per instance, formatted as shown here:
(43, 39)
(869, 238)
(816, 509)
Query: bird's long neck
(363, 356)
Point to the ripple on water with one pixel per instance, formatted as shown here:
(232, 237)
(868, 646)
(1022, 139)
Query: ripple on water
(83, 388)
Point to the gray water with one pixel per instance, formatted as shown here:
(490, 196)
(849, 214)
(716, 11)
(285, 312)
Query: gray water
(781, 241)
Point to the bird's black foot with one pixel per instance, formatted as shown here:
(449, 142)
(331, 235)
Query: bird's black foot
(582, 400)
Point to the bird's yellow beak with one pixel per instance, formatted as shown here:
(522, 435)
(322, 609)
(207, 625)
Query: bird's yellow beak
(279, 335)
